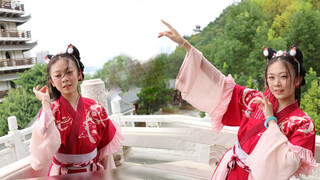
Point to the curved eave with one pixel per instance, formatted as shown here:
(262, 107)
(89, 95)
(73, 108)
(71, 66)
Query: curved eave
(18, 20)
(22, 47)
(11, 11)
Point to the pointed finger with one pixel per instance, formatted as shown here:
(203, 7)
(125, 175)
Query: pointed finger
(167, 24)
(160, 35)
(37, 88)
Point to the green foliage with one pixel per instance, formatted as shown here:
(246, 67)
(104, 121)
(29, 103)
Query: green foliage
(154, 93)
(202, 114)
(120, 72)
(304, 31)
(310, 101)
(32, 77)
(21, 102)
(233, 43)
(152, 98)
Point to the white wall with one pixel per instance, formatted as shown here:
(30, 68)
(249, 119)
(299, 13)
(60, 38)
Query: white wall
(4, 85)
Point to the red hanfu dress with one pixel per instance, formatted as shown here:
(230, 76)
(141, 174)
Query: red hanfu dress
(74, 140)
(279, 152)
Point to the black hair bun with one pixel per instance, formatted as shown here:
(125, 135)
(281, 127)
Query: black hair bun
(49, 56)
(73, 51)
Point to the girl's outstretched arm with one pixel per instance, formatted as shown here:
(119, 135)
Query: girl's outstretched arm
(175, 36)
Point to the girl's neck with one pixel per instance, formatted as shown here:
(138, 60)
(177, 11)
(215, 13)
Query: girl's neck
(282, 105)
(72, 99)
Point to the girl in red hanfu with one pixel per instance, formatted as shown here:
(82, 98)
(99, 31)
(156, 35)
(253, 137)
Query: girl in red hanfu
(276, 139)
(74, 133)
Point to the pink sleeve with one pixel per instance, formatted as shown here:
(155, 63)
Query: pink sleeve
(205, 87)
(274, 156)
(45, 141)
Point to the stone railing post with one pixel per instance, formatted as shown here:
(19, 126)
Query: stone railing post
(116, 112)
(20, 148)
(95, 89)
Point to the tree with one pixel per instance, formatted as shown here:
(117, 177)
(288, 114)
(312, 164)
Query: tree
(120, 72)
(310, 101)
(21, 102)
(154, 93)
(304, 32)
(32, 77)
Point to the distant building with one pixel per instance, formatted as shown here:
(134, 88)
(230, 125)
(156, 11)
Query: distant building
(128, 101)
(41, 56)
(13, 44)
(197, 29)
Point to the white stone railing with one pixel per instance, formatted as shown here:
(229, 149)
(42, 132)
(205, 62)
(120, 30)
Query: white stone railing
(16, 144)
(172, 132)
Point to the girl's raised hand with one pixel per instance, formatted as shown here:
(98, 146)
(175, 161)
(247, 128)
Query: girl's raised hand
(42, 94)
(172, 34)
(266, 106)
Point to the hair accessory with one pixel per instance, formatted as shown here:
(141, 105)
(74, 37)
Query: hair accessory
(48, 57)
(293, 52)
(268, 120)
(280, 53)
(266, 52)
(74, 52)
(70, 49)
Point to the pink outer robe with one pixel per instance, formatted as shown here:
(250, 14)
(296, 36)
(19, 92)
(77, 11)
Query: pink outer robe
(278, 152)
(72, 138)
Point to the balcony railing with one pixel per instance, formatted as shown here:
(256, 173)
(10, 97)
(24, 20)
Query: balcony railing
(15, 34)
(17, 62)
(12, 5)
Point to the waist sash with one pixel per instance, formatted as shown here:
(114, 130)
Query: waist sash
(75, 158)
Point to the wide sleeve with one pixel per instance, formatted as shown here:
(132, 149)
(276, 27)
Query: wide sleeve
(45, 140)
(204, 86)
(111, 139)
(275, 156)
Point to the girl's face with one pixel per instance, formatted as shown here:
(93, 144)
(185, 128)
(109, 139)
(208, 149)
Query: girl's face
(64, 76)
(280, 83)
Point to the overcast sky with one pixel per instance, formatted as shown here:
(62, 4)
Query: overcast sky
(102, 29)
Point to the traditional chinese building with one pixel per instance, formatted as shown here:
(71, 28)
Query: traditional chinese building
(14, 44)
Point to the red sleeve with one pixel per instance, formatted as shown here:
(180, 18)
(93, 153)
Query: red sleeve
(303, 133)
(241, 105)
(105, 127)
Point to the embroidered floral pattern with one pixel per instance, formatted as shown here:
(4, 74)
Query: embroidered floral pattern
(95, 115)
(247, 101)
(296, 123)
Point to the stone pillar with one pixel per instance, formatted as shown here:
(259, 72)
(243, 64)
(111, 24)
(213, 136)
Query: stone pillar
(115, 106)
(95, 89)
(20, 148)
(116, 112)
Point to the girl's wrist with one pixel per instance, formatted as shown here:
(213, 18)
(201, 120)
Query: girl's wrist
(183, 42)
(270, 120)
(45, 104)
(45, 101)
